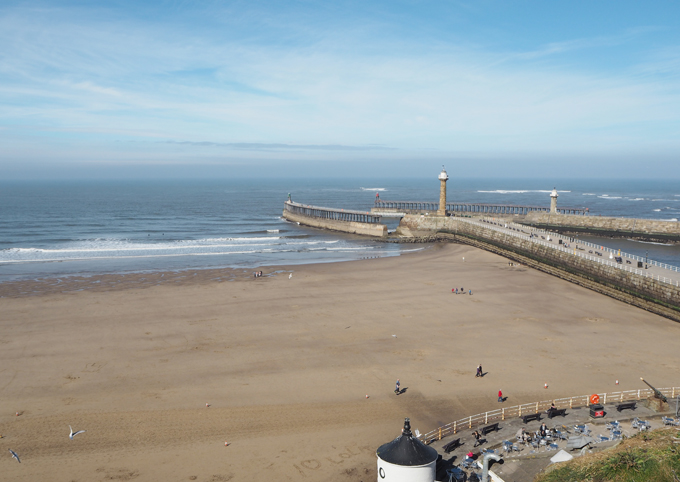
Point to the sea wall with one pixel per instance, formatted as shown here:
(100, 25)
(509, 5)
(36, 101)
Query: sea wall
(600, 225)
(352, 227)
(645, 292)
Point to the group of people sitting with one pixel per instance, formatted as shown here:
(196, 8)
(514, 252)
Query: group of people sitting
(527, 437)
(462, 291)
(257, 274)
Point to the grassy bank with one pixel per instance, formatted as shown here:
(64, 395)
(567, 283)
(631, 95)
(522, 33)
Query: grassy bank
(648, 457)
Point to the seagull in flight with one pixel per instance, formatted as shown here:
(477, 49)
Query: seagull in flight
(14, 455)
(73, 434)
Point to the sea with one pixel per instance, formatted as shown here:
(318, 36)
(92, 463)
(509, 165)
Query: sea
(89, 228)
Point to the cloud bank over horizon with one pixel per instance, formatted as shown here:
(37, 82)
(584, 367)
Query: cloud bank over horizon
(233, 87)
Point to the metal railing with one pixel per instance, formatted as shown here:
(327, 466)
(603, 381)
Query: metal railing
(517, 411)
(517, 230)
(480, 208)
(605, 248)
(331, 213)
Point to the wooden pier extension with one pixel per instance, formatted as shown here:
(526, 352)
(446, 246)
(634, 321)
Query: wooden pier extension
(420, 207)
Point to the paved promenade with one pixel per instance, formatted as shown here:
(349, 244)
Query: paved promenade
(523, 462)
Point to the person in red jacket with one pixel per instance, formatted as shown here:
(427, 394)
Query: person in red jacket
(500, 396)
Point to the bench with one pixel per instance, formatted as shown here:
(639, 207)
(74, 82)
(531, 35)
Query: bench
(451, 446)
(490, 428)
(556, 412)
(530, 417)
(624, 406)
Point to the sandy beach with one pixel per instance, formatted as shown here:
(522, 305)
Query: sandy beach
(285, 364)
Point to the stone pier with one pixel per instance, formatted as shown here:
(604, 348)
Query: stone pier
(343, 220)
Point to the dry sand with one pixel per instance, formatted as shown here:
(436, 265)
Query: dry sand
(285, 365)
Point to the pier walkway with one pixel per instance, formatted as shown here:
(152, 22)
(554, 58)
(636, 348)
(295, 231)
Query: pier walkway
(331, 213)
(662, 272)
(417, 207)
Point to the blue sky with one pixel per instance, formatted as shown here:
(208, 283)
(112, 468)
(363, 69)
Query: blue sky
(163, 89)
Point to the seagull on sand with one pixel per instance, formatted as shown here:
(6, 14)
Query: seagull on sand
(14, 455)
(73, 434)
(290, 276)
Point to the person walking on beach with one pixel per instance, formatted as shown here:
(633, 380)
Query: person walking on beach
(500, 396)
(479, 371)
(397, 389)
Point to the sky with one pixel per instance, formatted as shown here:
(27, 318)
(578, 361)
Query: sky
(317, 88)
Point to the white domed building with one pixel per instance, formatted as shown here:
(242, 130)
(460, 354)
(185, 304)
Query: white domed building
(406, 459)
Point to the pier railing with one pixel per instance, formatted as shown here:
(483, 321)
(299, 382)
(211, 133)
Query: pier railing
(330, 213)
(478, 208)
(517, 230)
(517, 411)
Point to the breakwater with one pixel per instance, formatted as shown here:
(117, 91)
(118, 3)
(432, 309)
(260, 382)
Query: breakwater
(346, 221)
(640, 287)
(640, 229)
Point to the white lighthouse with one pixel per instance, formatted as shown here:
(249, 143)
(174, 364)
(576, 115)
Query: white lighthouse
(553, 201)
(406, 459)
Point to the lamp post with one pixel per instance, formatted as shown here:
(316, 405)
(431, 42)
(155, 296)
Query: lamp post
(646, 257)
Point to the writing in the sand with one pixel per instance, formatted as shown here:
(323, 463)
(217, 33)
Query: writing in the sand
(306, 467)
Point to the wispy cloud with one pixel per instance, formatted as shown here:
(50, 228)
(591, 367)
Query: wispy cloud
(279, 146)
(258, 79)
(599, 41)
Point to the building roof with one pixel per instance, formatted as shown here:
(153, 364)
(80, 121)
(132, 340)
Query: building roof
(407, 450)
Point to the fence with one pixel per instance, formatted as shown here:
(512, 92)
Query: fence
(518, 228)
(536, 407)
(332, 214)
(472, 207)
(602, 248)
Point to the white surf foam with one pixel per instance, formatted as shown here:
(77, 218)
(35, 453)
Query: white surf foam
(650, 242)
(373, 189)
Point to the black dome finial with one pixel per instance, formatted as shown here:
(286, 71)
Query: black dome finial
(407, 427)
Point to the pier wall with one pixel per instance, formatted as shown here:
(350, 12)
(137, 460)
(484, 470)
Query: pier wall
(644, 292)
(600, 225)
(351, 227)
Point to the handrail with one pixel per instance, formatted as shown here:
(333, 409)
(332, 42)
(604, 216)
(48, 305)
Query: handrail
(485, 223)
(536, 407)
(605, 248)
(332, 210)
(451, 206)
